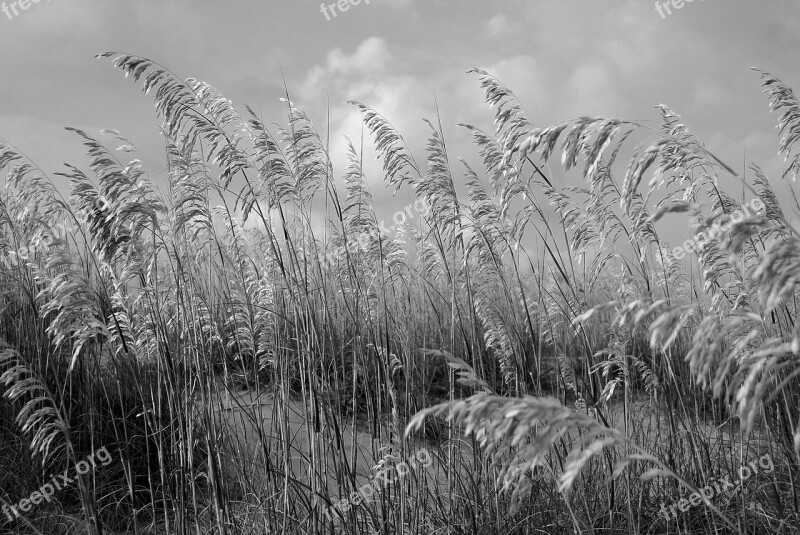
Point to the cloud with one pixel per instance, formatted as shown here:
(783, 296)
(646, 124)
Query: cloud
(500, 26)
(592, 90)
(710, 93)
(342, 71)
(370, 56)
(52, 19)
(360, 75)
(397, 4)
(523, 75)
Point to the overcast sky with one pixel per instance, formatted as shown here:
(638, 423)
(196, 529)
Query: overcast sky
(564, 58)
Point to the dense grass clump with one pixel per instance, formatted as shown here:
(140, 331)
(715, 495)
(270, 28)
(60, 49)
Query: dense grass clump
(564, 368)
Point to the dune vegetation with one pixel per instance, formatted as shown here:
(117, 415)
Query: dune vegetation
(253, 347)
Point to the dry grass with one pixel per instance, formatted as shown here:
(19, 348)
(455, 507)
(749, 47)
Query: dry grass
(566, 371)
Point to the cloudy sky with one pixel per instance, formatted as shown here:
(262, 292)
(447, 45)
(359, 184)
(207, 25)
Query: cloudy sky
(563, 58)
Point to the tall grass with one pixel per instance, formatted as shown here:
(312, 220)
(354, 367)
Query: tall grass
(566, 371)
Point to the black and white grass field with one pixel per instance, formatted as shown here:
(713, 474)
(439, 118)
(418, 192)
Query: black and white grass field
(399, 267)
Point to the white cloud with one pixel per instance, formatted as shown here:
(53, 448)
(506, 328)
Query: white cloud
(397, 4)
(500, 26)
(522, 75)
(340, 69)
(361, 75)
(592, 90)
(53, 18)
(710, 93)
(371, 55)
